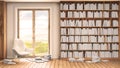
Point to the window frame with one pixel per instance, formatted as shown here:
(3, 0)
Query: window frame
(33, 26)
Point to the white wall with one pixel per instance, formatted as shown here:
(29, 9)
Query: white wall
(54, 24)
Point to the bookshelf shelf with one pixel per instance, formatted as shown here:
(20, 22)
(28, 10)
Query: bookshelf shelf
(90, 42)
(85, 27)
(88, 50)
(88, 28)
(89, 18)
(88, 35)
(89, 10)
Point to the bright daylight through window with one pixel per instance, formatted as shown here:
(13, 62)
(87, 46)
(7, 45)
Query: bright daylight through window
(33, 29)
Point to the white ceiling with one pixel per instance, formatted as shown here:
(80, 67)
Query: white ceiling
(52, 0)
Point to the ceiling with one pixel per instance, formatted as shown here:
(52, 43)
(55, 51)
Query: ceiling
(52, 0)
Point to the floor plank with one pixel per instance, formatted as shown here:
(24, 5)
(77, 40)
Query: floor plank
(59, 63)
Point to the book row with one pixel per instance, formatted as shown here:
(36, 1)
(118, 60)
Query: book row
(90, 23)
(88, 54)
(89, 47)
(89, 14)
(88, 6)
(89, 31)
(89, 39)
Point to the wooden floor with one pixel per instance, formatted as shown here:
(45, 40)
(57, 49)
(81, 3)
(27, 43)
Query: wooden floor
(62, 64)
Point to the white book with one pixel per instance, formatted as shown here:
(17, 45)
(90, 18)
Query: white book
(74, 46)
(90, 14)
(70, 31)
(88, 46)
(71, 38)
(95, 31)
(106, 23)
(109, 46)
(88, 54)
(87, 6)
(110, 31)
(115, 54)
(91, 23)
(70, 54)
(79, 6)
(90, 31)
(114, 14)
(84, 31)
(82, 14)
(67, 22)
(115, 22)
(80, 54)
(94, 54)
(85, 23)
(62, 46)
(96, 14)
(106, 14)
(75, 54)
(62, 14)
(114, 6)
(77, 39)
(102, 54)
(109, 38)
(65, 6)
(115, 31)
(66, 47)
(93, 6)
(70, 14)
(64, 39)
(80, 47)
(76, 14)
(85, 46)
(103, 46)
(105, 31)
(79, 22)
(115, 39)
(96, 46)
(93, 39)
(100, 31)
(71, 22)
(98, 23)
(63, 22)
(63, 31)
(100, 14)
(100, 6)
(72, 6)
(64, 54)
(84, 38)
(70, 47)
(78, 31)
(106, 6)
(115, 47)
(107, 54)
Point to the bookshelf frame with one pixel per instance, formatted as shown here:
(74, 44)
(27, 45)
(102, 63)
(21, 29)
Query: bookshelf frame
(102, 19)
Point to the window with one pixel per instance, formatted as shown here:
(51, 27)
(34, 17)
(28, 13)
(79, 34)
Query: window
(33, 29)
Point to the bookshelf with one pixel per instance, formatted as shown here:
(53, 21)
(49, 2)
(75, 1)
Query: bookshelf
(89, 29)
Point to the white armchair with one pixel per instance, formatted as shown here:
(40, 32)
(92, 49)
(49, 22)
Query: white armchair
(20, 49)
